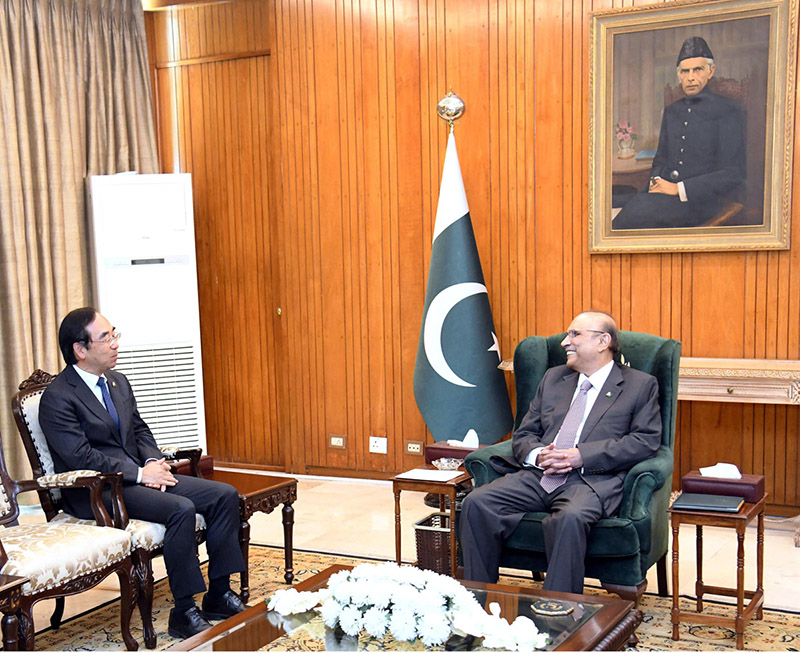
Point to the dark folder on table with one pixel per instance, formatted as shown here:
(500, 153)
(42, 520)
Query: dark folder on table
(711, 502)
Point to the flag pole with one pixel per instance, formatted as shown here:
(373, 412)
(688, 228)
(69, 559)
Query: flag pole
(457, 386)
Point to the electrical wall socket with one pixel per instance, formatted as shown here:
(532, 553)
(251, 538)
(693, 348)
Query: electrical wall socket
(414, 447)
(377, 444)
(337, 441)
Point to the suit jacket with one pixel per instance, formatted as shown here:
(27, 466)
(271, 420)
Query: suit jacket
(622, 429)
(82, 434)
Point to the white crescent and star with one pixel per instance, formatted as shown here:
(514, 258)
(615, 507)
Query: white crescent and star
(438, 311)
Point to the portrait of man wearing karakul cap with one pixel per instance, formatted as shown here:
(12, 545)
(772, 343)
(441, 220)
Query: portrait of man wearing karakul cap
(700, 162)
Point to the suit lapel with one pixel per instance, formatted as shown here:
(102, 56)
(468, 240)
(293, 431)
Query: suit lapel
(609, 393)
(122, 409)
(89, 399)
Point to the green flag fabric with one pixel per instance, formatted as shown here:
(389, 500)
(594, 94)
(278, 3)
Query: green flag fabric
(457, 384)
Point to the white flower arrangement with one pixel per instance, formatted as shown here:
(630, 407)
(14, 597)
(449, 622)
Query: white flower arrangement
(410, 603)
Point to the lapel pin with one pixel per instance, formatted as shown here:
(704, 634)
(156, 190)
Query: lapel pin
(114, 383)
(608, 394)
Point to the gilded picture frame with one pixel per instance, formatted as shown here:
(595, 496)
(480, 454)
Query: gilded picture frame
(634, 77)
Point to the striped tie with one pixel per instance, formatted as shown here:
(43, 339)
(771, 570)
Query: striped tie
(566, 435)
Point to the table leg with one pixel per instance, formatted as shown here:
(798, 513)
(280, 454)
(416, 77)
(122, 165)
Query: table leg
(288, 541)
(244, 544)
(698, 585)
(760, 562)
(453, 556)
(397, 543)
(675, 580)
(740, 586)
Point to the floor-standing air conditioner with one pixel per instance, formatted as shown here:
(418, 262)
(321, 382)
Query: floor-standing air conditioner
(146, 284)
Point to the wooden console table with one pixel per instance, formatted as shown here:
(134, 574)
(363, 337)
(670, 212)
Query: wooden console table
(259, 493)
(739, 380)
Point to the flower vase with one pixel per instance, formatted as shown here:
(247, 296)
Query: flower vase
(626, 150)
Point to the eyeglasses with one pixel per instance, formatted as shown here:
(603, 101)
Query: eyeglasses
(114, 336)
(572, 333)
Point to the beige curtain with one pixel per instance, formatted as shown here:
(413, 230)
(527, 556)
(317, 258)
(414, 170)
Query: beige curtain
(75, 100)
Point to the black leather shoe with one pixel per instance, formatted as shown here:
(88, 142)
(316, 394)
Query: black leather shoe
(460, 643)
(223, 607)
(185, 623)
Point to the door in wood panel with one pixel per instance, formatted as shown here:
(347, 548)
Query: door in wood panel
(220, 116)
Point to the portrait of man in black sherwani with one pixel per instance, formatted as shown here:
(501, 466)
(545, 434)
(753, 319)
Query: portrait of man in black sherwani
(700, 162)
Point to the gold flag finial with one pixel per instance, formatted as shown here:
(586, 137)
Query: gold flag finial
(450, 108)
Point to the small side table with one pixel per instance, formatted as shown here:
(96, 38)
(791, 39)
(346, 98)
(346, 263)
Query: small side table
(10, 593)
(443, 489)
(739, 521)
(259, 493)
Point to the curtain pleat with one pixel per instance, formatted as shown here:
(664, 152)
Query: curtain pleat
(75, 100)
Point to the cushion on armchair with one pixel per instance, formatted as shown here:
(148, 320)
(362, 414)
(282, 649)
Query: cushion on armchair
(81, 550)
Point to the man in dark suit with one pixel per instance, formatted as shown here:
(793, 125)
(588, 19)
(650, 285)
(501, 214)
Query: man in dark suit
(701, 155)
(89, 417)
(590, 421)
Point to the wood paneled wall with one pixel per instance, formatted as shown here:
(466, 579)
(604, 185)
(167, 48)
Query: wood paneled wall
(316, 169)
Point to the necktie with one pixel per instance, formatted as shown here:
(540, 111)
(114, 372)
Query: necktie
(566, 435)
(107, 400)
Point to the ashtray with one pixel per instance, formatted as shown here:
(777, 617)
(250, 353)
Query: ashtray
(447, 463)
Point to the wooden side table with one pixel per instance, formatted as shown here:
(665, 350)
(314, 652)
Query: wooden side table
(444, 489)
(10, 593)
(739, 521)
(259, 493)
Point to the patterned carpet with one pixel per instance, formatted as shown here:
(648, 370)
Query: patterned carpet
(99, 629)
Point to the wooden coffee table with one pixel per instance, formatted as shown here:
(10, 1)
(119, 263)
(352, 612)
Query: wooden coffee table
(259, 493)
(603, 624)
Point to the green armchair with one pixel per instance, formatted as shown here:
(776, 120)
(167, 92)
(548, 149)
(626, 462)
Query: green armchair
(620, 549)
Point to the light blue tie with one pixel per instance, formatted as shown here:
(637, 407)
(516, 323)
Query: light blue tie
(107, 400)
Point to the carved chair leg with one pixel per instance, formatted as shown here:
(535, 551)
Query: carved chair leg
(128, 593)
(661, 571)
(26, 630)
(58, 613)
(144, 577)
(627, 592)
(10, 626)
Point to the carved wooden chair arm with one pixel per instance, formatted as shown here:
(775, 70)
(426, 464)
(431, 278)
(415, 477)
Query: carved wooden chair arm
(174, 454)
(95, 482)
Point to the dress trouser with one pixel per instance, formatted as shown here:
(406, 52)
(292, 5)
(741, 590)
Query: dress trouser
(491, 513)
(176, 509)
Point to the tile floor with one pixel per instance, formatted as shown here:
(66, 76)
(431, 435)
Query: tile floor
(356, 517)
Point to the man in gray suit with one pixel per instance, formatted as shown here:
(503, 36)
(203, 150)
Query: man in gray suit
(589, 423)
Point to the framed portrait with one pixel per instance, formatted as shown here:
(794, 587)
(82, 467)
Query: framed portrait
(691, 127)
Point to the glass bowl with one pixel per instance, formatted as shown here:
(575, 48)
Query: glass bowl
(447, 463)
